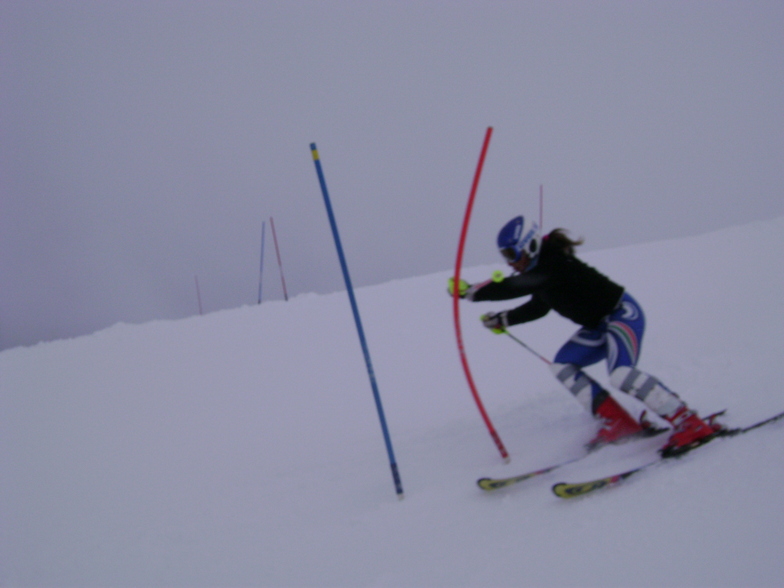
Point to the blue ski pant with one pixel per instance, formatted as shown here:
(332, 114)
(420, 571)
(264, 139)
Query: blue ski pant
(617, 340)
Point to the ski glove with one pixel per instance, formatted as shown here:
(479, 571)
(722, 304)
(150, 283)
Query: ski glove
(495, 321)
(461, 290)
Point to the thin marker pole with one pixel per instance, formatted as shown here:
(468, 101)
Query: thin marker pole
(456, 301)
(541, 207)
(280, 265)
(261, 263)
(198, 293)
(360, 331)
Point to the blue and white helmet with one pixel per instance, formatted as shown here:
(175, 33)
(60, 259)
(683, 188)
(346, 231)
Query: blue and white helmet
(520, 236)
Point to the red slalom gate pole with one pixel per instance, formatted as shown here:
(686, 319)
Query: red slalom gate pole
(456, 300)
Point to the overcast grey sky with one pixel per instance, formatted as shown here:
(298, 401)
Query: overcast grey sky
(144, 142)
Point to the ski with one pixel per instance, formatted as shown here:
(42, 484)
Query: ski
(496, 483)
(574, 490)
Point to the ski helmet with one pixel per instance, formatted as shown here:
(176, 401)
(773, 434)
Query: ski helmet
(520, 236)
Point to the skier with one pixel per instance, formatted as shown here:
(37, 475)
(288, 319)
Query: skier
(612, 326)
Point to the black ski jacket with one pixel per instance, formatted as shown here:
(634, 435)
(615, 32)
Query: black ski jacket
(560, 282)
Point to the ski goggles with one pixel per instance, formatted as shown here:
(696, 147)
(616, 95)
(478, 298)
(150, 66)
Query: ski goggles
(513, 254)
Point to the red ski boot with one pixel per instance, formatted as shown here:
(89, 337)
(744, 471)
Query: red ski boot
(689, 431)
(617, 424)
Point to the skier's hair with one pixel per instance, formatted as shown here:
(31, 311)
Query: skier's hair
(561, 240)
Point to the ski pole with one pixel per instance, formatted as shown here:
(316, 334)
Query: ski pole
(540, 356)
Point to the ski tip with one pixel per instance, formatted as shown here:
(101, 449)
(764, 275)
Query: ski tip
(567, 490)
(489, 484)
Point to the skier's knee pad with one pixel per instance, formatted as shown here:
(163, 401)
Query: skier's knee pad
(645, 388)
(566, 373)
(573, 378)
(623, 378)
(633, 381)
(556, 368)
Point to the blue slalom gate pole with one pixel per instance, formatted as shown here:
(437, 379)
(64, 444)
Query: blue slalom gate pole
(358, 321)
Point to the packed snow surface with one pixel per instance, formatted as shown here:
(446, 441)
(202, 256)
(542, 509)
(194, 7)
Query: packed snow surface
(243, 448)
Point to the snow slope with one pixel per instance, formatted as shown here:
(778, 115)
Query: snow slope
(242, 448)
